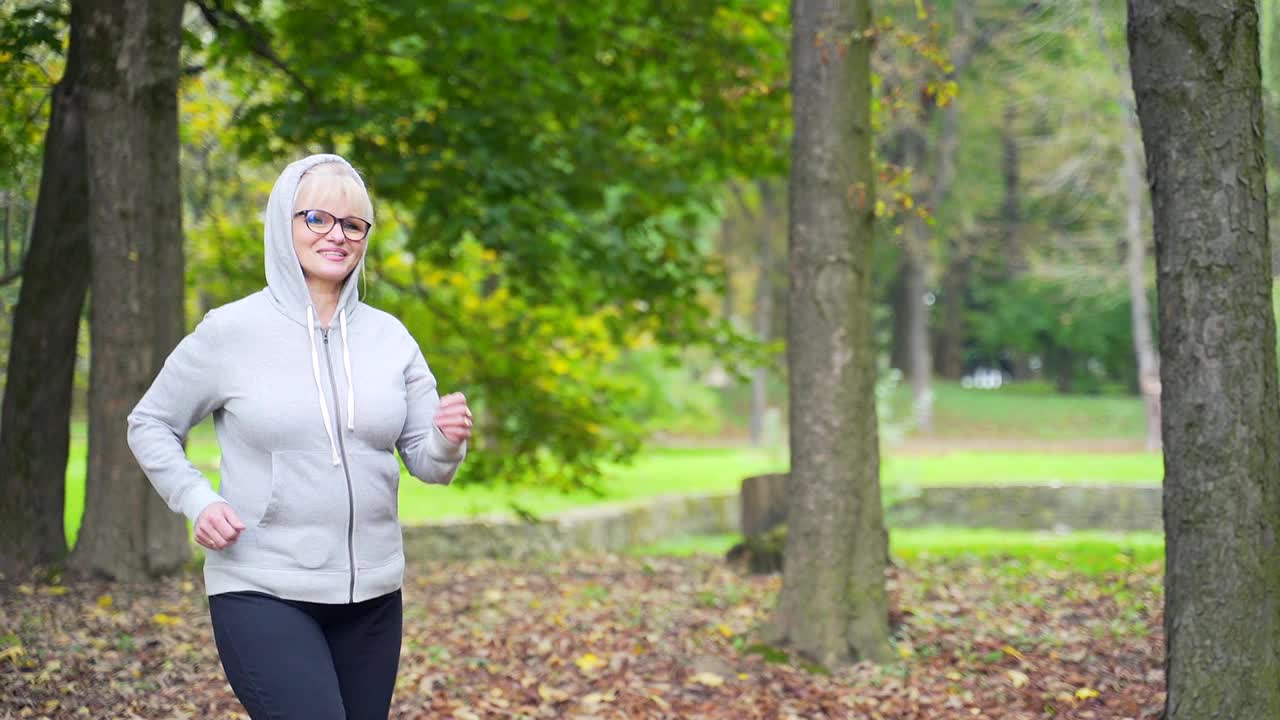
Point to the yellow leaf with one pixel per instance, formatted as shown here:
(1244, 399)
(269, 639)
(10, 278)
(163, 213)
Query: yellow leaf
(1086, 693)
(725, 630)
(1013, 652)
(905, 651)
(25, 589)
(1019, 679)
(588, 662)
(55, 590)
(551, 694)
(163, 619)
(11, 653)
(709, 679)
(104, 601)
(596, 698)
(743, 676)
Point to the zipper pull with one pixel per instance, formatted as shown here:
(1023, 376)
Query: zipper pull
(325, 334)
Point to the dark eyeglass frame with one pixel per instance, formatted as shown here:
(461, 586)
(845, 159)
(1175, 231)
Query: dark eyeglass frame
(336, 221)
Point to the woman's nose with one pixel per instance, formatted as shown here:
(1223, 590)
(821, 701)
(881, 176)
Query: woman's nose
(335, 233)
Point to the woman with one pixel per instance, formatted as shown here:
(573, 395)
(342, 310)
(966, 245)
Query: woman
(305, 558)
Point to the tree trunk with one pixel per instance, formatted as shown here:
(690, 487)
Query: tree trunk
(915, 255)
(899, 357)
(919, 358)
(35, 419)
(949, 358)
(1015, 259)
(763, 309)
(1136, 269)
(1197, 82)
(1136, 253)
(131, 51)
(833, 606)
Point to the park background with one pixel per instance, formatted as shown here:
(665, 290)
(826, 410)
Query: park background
(582, 218)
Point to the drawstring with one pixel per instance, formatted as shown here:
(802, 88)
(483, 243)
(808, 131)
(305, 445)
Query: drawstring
(346, 363)
(315, 371)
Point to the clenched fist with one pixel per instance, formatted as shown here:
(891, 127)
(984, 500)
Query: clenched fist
(453, 417)
(218, 526)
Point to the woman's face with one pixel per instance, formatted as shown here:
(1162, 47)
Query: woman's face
(322, 239)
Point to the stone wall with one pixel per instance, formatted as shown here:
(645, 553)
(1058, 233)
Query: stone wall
(1032, 507)
(608, 528)
(614, 527)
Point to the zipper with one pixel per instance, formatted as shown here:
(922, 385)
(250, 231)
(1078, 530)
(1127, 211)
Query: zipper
(342, 451)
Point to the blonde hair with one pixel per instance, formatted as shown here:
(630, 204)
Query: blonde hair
(329, 183)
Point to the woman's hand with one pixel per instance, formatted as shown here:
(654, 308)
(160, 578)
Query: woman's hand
(453, 417)
(218, 526)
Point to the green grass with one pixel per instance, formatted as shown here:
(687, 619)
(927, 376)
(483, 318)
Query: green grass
(1029, 411)
(656, 472)
(1091, 553)
(1018, 468)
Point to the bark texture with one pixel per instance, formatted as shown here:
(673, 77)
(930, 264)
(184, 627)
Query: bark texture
(35, 419)
(832, 607)
(131, 52)
(1197, 81)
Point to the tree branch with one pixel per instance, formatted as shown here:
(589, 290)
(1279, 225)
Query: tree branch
(222, 19)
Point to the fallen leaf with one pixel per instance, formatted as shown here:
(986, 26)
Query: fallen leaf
(709, 679)
(597, 698)
(551, 694)
(588, 662)
(1086, 693)
(1019, 679)
(12, 652)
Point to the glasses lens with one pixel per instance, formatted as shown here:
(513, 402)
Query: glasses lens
(319, 221)
(354, 228)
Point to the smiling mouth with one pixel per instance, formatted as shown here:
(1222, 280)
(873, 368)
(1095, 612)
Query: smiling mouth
(332, 255)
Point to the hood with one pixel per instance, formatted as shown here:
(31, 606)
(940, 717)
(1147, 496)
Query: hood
(287, 289)
(285, 283)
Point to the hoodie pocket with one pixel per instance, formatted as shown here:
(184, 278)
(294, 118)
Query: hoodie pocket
(375, 479)
(305, 522)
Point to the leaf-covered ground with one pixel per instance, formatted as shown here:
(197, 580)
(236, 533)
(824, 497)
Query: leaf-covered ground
(623, 637)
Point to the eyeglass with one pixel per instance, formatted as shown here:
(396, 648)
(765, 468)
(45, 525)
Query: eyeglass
(321, 222)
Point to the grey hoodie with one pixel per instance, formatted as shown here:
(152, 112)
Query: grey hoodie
(308, 420)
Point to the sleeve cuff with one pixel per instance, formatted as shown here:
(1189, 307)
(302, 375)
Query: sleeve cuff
(197, 499)
(439, 447)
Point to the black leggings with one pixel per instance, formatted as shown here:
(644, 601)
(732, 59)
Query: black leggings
(288, 659)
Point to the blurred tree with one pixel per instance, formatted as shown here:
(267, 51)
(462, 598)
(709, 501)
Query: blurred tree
(1135, 195)
(1195, 66)
(34, 427)
(832, 607)
(131, 53)
(585, 149)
